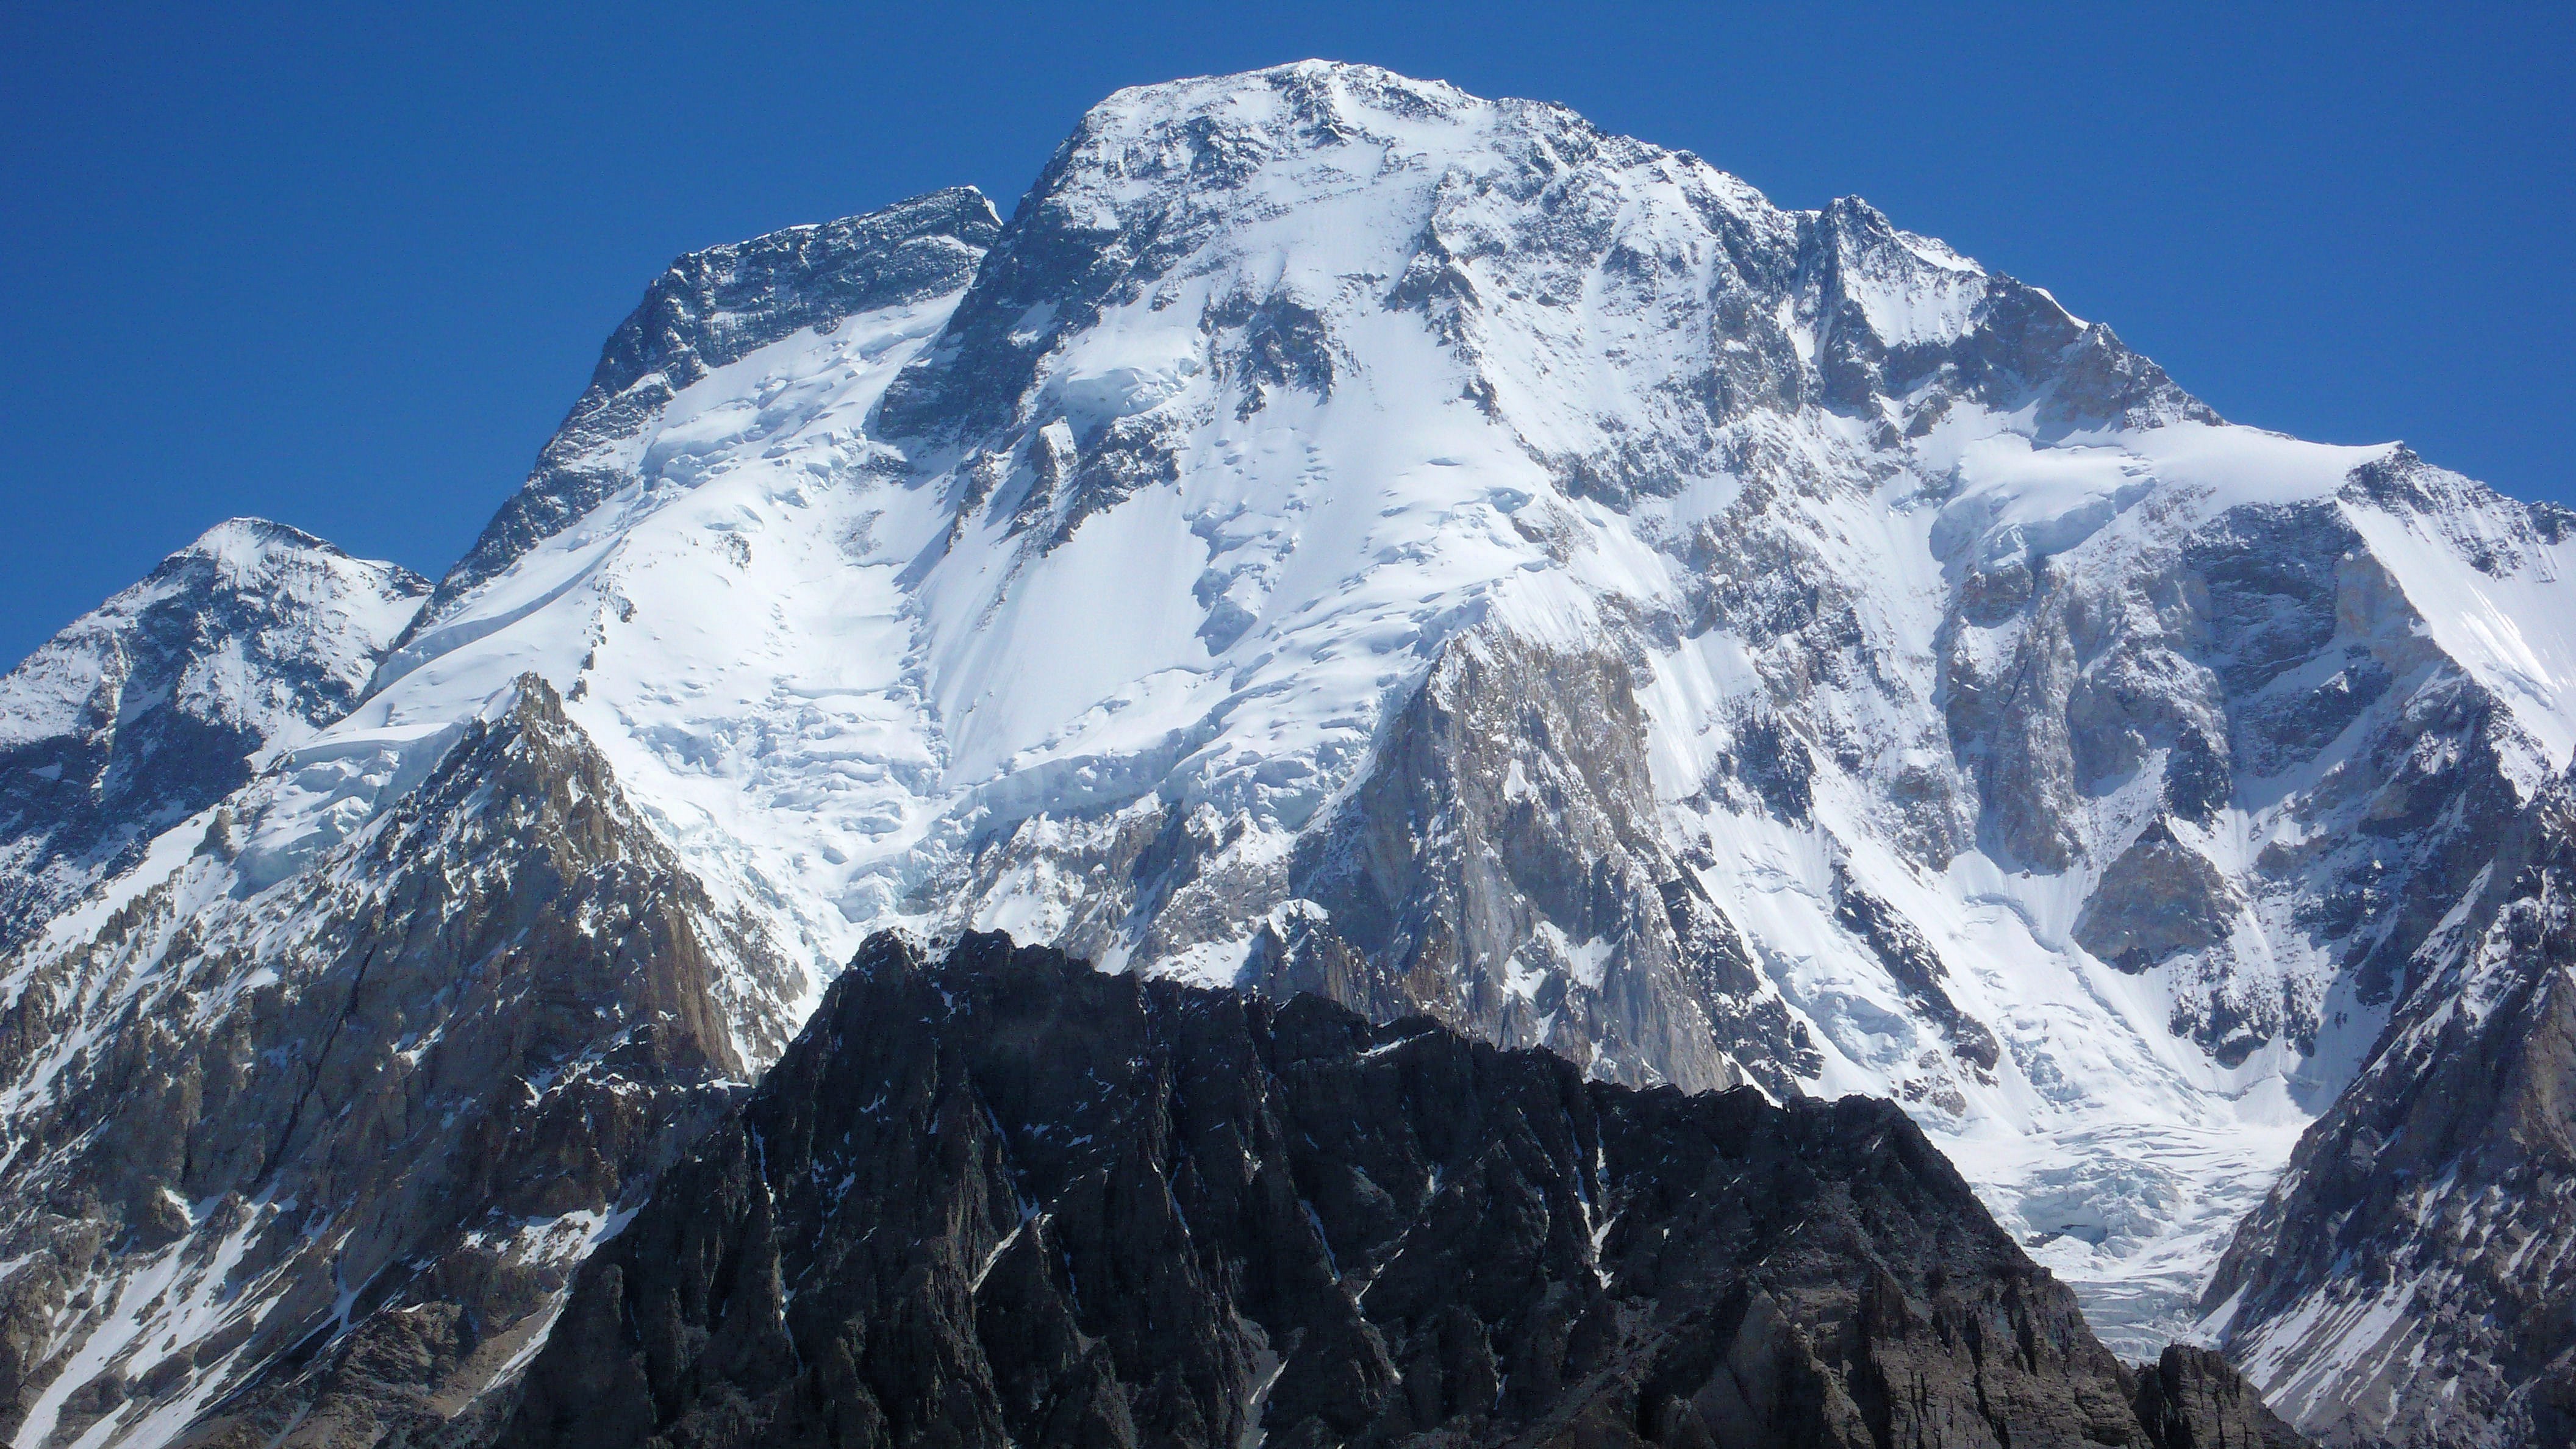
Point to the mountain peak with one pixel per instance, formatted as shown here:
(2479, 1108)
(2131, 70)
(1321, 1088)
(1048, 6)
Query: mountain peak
(1214, 129)
(149, 707)
(247, 548)
(707, 310)
(1312, 87)
(247, 536)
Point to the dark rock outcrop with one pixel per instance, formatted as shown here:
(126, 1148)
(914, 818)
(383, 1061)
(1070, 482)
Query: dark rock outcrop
(1002, 1198)
(2190, 1398)
(1916, 968)
(2159, 897)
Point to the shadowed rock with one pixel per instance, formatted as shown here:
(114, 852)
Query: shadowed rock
(1002, 1198)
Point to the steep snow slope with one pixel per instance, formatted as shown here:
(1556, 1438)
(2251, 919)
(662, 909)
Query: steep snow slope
(1348, 534)
(707, 310)
(150, 707)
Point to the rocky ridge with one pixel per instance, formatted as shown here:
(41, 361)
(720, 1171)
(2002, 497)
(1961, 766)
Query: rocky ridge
(313, 1169)
(2408, 1280)
(1001, 1198)
(709, 310)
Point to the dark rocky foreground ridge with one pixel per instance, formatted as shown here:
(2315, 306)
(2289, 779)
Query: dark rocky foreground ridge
(1002, 1198)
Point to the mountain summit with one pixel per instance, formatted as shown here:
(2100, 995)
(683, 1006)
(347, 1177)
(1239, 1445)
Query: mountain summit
(149, 708)
(1343, 535)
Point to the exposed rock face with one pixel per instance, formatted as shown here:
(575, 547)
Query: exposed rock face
(2160, 897)
(2409, 1281)
(2191, 1399)
(147, 709)
(1496, 866)
(1005, 1199)
(311, 1169)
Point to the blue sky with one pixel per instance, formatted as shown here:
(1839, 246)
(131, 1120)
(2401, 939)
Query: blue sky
(346, 267)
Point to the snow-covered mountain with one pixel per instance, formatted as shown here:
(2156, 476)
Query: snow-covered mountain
(382, 1106)
(150, 707)
(1344, 534)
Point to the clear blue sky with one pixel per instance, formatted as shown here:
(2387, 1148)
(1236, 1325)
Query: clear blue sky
(346, 266)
